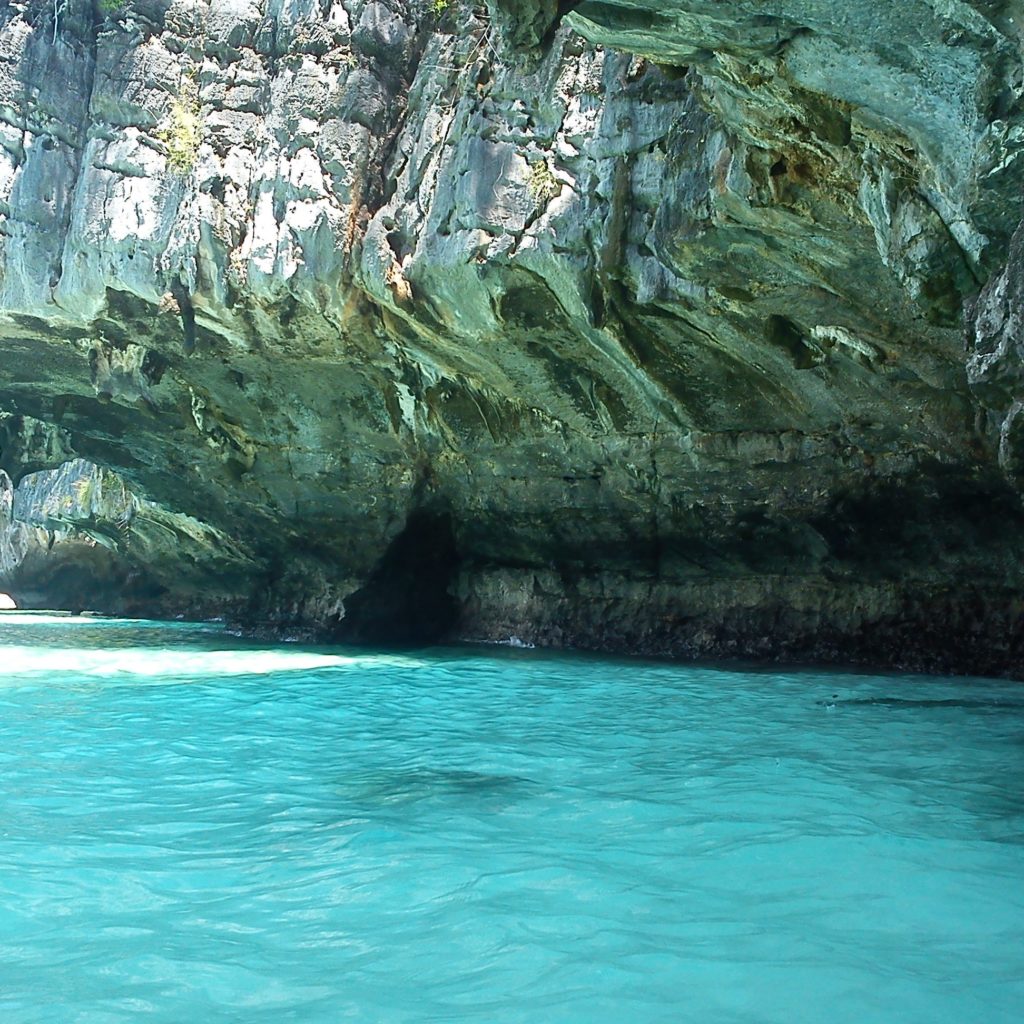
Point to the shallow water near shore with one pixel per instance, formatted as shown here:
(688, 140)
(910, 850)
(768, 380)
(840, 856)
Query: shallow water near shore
(194, 828)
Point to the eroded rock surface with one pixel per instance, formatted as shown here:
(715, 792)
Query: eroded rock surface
(79, 533)
(617, 324)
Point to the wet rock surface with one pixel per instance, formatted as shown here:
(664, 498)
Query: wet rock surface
(624, 325)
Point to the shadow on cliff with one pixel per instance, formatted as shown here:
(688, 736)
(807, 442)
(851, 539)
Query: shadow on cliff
(407, 599)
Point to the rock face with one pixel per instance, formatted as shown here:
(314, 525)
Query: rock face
(78, 533)
(627, 325)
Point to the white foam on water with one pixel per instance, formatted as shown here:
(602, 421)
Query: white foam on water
(50, 618)
(19, 662)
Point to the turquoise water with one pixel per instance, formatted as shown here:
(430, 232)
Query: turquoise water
(196, 830)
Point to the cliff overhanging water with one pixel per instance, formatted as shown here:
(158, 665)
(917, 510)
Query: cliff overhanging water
(683, 328)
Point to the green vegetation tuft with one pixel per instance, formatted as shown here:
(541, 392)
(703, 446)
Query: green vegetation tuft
(543, 185)
(184, 132)
(83, 489)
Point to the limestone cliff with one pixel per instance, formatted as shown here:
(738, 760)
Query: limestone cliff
(624, 324)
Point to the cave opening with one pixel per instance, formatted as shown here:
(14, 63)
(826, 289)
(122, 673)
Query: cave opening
(408, 600)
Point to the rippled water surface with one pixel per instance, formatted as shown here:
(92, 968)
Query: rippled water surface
(195, 830)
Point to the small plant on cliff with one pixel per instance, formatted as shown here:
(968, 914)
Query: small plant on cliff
(83, 493)
(543, 185)
(183, 133)
(109, 7)
(439, 7)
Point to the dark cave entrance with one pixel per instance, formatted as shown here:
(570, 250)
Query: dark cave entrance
(408, 599)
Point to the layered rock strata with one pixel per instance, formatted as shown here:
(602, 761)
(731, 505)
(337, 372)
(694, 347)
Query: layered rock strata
(614, 324)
